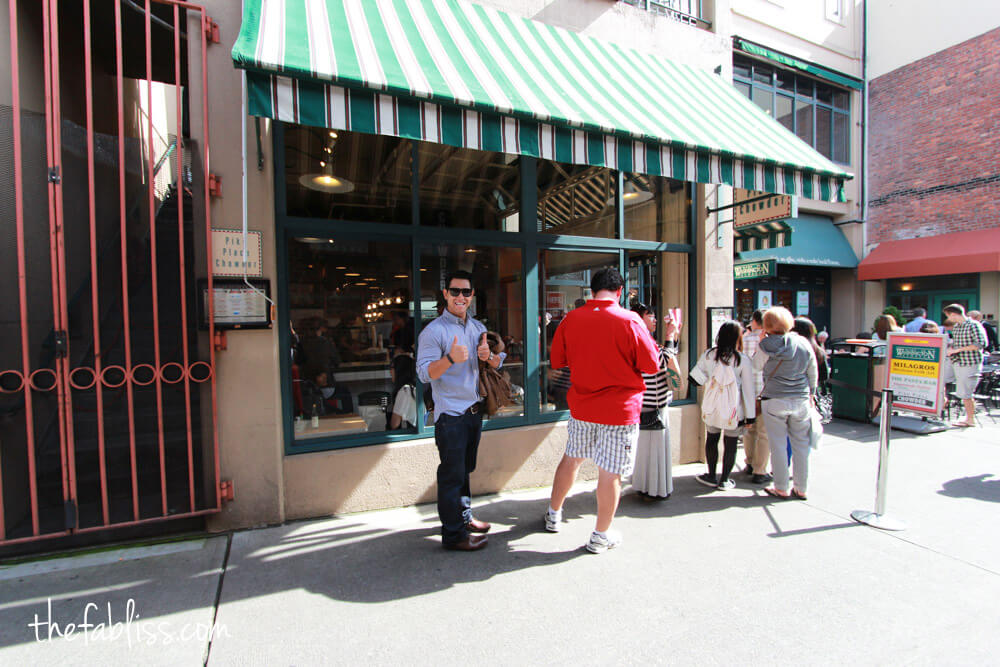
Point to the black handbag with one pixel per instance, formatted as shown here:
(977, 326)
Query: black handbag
(650, 421)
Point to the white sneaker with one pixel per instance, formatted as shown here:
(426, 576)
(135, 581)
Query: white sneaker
(598, 544)
(552, 521)
(727, 485)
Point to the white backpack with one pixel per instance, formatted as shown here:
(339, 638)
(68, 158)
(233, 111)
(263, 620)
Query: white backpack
(721, 401)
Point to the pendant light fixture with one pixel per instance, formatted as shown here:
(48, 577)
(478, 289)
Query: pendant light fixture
(325, 180)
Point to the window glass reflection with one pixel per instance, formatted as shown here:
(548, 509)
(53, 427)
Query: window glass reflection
(576, 199)
(352, 337)
(565, 285)
(338, 175)
(656, 209)
(498, 303)
(467, 188)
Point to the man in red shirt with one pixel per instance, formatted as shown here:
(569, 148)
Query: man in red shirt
(607, 348)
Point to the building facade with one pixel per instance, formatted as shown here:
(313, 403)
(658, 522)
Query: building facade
(239, 278)
(802, 63)
(934, 219)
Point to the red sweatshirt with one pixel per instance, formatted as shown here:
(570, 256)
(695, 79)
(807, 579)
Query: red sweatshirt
(606, 348)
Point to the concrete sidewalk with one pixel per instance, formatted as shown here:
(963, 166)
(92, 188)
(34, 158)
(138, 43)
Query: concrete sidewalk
(704, 578)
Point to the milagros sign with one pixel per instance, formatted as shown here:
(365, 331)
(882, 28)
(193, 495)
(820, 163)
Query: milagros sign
(913, 368)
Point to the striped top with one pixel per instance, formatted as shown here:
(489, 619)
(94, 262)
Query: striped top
(659, 390)
(466, 75)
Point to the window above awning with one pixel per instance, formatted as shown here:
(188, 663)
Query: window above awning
(966, 252)
(470, 76)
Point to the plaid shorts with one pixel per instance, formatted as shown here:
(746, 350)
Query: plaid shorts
(611, 447)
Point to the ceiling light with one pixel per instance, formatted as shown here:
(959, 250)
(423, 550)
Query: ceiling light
(399, 299)
(401, 275)
(340, 268)
(371, 280)
(352, 275)
(470, 250)
(326, 183)
(360, 284)
(423, 270)
(333, 135)
(632, 195)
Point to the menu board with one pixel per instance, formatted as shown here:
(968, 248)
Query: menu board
(235, 304)
(913, 370)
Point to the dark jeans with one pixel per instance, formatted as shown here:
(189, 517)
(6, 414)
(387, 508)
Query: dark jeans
(457, 439)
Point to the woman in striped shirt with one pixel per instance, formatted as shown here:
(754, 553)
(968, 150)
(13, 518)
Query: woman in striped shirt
(653, 478)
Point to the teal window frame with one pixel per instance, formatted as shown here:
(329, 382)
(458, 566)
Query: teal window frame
(797, 98)
(527, 239)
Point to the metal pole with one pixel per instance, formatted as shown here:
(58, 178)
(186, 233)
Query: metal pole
(878, 518)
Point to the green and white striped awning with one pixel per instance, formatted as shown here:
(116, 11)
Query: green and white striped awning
(460, 74)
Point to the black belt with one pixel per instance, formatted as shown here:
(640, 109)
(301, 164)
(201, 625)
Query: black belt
(474, 409)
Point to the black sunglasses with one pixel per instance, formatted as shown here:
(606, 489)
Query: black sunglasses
(464, 291)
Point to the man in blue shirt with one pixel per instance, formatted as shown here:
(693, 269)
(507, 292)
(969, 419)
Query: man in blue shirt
(919, 317)
(443, 360)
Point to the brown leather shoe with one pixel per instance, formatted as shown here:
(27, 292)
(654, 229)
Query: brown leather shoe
(471, 543)
(477, 526)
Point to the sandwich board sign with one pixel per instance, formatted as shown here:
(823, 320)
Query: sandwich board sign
(913, 369)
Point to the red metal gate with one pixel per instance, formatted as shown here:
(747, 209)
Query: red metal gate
(108, 401)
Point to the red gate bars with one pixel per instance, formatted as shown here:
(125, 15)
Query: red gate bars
(64, 378)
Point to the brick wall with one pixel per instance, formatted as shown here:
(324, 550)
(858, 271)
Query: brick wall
(935, 143)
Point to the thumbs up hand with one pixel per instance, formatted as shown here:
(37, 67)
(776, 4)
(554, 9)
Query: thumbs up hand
(484, 349)
(458, 353)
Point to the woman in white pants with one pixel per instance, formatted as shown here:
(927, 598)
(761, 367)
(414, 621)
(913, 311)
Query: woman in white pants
(788, 364)
(652, 477)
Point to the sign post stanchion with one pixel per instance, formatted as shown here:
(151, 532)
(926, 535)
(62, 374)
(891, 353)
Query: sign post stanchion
(878, 518)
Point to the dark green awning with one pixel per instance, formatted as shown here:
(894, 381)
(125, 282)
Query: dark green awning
(781, 58)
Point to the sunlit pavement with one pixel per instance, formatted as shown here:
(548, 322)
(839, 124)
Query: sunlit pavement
(704, 578)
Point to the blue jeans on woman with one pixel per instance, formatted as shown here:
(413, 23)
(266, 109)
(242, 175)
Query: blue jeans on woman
(457, 440)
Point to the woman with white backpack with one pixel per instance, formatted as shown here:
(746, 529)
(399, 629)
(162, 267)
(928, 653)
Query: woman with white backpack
(728, 400)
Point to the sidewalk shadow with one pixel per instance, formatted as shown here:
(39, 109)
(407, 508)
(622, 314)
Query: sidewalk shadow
(370, 564)
(977, 487)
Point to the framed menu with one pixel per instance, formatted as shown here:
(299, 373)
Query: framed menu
(236, 305)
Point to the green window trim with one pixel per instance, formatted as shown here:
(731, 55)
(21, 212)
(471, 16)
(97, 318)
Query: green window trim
(789, 61)
(799, 101)
(527, 240)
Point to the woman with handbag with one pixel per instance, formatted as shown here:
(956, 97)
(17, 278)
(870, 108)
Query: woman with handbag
(652, 477)
(790, 375)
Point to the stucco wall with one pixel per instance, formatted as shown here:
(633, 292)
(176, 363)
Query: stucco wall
(393, 475)
(928, 25)
(989, 295)
(250, 438)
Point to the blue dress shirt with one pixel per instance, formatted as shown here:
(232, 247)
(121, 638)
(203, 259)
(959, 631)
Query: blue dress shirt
(458, 387)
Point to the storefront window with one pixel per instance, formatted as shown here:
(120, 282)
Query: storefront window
(348, 176)
(357, 295)
(656, 209)
(565, 285)
(353, 369)
(498, 302)
(576, 200)
(463, 188)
